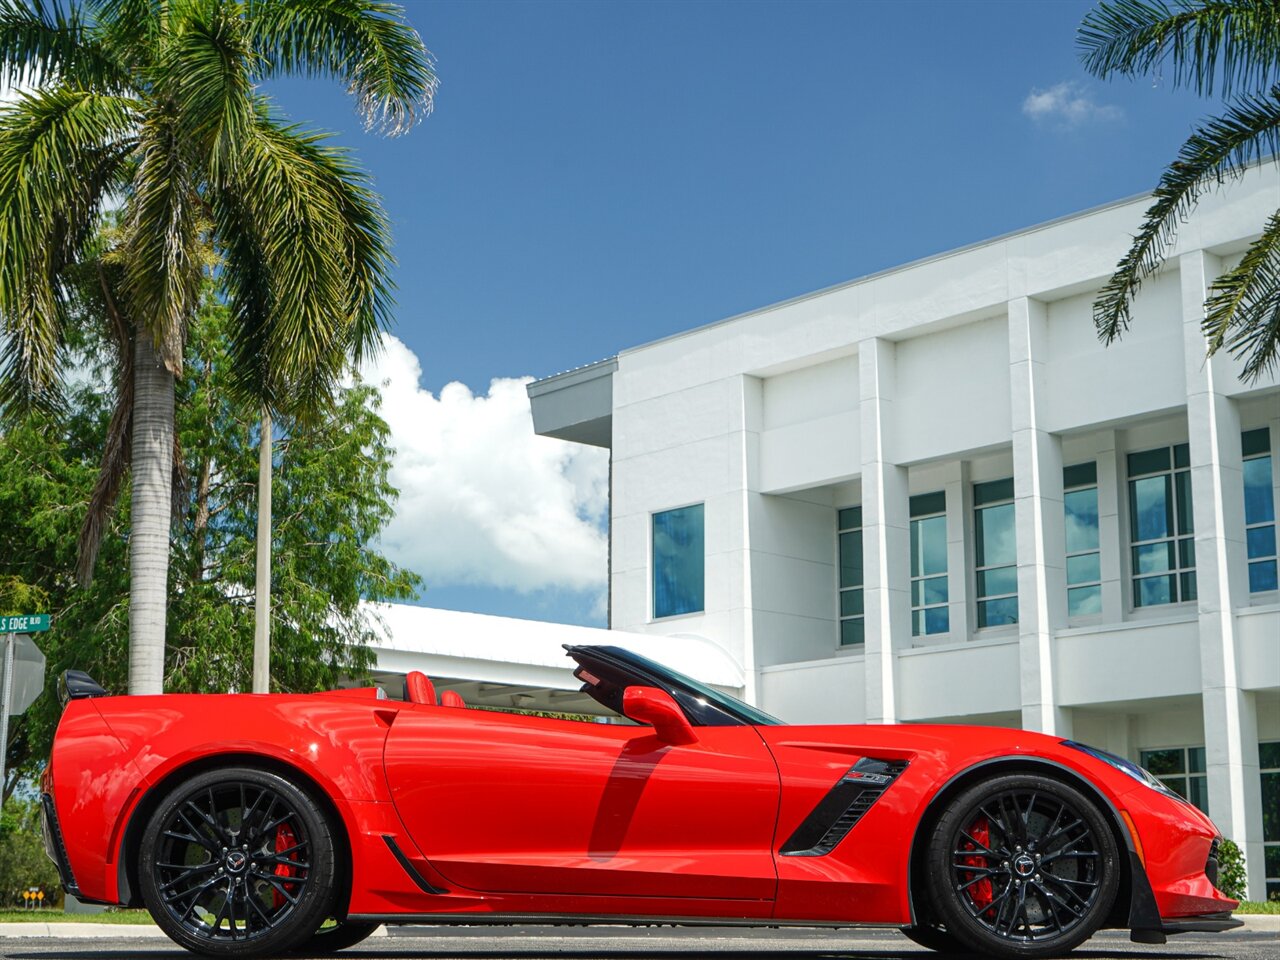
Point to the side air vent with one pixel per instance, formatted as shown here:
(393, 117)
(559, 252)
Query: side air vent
(844, 805)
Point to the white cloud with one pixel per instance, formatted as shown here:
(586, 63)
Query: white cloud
(483, 500)
(1069, 104)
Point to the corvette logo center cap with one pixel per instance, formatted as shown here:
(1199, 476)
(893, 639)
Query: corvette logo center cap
(236, 861)
(1025, 866)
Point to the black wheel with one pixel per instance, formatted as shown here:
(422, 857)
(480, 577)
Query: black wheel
(1022, 867)
(238, 862)
(935, 937)
(338, 935)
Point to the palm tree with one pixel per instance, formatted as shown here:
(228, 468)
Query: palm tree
(1232, 46)
(153, 107)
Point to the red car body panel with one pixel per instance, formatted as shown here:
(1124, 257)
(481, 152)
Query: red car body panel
(532, 805)
(501, 814)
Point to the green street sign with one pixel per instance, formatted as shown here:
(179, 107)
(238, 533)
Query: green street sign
(26, 623)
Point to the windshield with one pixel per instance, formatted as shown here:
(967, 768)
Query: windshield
(704, 705)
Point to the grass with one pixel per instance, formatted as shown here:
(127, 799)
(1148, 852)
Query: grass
(58, 916)
(1255, 906)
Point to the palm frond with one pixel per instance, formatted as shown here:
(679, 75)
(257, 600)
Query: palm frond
(61, 154)
(307, 263)
(205, 71)
(162, 247)
(118, 448)
(130, 31)
(47, 42)
(1218, 150)
(1233, 45)
(363, 43)
(1242, 312)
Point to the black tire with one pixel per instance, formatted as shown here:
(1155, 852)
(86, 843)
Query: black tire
(339, 936)
(272, 893)
(1022, 867)
(935, 937)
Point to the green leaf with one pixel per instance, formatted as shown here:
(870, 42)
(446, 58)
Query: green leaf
(1231, 44)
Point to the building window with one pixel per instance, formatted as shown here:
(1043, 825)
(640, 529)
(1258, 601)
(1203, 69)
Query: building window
(995, 545)
(679, 561)
(1182, 770)
(1161, 527)
(1269, 762)
(929, 612)
(1084, 566)
(852, 623)
(1259, 509)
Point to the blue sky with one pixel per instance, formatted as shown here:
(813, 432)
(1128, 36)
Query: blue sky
(597, 175)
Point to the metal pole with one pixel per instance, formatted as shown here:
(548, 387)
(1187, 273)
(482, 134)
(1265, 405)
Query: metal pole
(6, 698)
(262, 599)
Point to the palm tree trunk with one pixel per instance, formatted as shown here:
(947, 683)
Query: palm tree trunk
(262, 593)
(153, 429)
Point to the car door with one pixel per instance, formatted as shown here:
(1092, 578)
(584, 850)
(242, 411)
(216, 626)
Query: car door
(520, 804)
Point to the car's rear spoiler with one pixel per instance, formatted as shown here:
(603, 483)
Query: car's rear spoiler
(77, 685)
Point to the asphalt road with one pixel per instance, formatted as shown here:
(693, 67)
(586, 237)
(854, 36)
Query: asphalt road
(662, 943)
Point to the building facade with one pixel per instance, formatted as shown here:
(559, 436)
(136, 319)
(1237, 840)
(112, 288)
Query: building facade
(931, 495)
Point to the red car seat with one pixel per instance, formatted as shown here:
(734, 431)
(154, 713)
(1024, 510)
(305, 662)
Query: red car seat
(418, 689)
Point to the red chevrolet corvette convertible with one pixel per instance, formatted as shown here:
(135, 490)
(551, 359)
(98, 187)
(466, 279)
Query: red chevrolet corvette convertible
(256, 825)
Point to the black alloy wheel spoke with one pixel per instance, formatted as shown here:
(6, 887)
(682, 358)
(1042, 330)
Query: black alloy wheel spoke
(195, 900)
(960, 888)
(1070, 854)
(977, 911)
(1026, 817)
(279, 821)
(198, 889)
(997, 822)
(275, 882)
(1050, 906)
(275, 858)
(1050, 841)
(255, 905)
(188, 838)
(980, 849)
(225, 827)
(1048, 877)
(1039, 874)
(186, 874)
(246, 819)
(1012, 820)
(197, 834)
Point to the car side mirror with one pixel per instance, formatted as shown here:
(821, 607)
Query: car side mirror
(656, 708)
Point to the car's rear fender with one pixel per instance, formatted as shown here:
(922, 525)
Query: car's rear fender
(331, 746)
(126, 847)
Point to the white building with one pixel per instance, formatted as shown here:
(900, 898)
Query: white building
(932, 495)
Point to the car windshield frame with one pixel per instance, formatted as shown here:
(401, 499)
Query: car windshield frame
(703, 705)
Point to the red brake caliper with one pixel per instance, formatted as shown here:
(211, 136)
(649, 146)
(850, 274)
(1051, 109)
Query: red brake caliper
(980, 893)
(285, 840)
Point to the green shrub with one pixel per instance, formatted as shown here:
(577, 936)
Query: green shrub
(23, 863)
(1232, 879)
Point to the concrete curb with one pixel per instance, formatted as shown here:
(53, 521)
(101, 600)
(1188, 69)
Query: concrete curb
(1253, 923)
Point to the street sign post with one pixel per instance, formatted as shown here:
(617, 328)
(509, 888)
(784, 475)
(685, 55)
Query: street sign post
(23, 672)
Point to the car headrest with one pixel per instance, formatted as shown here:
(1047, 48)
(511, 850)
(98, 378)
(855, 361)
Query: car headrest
(418, 689)
(451, 698)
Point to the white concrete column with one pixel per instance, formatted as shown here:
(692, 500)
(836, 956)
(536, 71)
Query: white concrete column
(886, 560)
(1038, 506)
(960, 576)
(1217, 504)
(752, 414)
(1113, 530)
